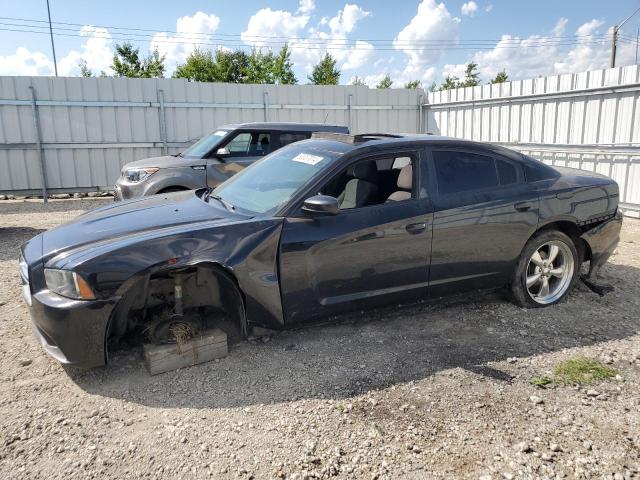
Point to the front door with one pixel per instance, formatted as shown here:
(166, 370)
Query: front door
(243, 148)
(374, 251)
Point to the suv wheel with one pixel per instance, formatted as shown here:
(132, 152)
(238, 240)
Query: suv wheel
(547, 270)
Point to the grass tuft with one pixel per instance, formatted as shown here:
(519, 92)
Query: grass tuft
(540, 381)
(581, 371)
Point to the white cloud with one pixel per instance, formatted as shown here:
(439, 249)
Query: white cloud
(192, 31)
(309, 44)
(25, 62)
(97, 51)
(537, 55)
(488, 8)
(469, 8)
(306, 6)
(431, 22)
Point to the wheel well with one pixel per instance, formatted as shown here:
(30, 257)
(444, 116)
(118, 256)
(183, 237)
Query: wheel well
(571, 230)
(205, 286)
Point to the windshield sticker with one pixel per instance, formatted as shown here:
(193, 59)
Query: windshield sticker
(307, 158)
(220, 133)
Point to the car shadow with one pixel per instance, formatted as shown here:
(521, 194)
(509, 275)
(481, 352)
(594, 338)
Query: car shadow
(11, 236)
(376, 349)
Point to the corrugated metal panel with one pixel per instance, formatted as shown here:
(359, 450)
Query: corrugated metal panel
(90, 127)
(588, 120)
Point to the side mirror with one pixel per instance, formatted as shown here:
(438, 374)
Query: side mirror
(223, 152)
(322, 204)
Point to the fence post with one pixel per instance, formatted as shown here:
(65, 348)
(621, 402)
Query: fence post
(349, 112)
(163, 123)
(420, 112)
(265, 103)
(36, 124)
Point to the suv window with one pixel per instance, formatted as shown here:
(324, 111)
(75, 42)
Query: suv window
(290, 137)
(463, 171)
(250, 144)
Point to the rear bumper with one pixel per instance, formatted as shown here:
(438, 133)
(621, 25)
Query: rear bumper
(71, 331)
(602, 240)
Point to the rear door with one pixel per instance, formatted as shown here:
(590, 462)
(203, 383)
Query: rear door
(244, 147)
(484, 212)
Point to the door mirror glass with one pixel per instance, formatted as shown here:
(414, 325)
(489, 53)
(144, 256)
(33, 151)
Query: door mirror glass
(223, 152)
(322, 204)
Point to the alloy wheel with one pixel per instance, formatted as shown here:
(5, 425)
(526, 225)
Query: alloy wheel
(549, 272)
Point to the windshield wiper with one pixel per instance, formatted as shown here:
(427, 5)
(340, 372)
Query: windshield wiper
(226, 204)
(179, 154)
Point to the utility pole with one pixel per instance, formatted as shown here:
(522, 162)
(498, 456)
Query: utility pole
(53, 46)
(614, 37)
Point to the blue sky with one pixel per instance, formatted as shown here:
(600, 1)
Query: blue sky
(409, 39)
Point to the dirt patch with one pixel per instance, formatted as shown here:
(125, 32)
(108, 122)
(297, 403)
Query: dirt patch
(425, 391)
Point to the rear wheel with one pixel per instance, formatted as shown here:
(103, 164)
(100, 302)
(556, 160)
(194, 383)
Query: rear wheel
(547, 270)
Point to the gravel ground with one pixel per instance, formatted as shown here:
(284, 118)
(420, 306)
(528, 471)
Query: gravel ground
(439, 391)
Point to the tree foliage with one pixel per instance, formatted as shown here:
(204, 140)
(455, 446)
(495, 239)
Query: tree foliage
(451, 81)
(238, 67)
(127, 63)
(386, 82)
(357, 81)
(413, 84)
(85, 71)
(325, 72)
(501, 77)
(471, 76)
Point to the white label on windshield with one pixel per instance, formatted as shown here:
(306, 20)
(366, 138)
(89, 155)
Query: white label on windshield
(307, 158)
(220, 133)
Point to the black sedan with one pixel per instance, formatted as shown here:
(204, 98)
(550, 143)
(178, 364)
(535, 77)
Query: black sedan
(328, 224)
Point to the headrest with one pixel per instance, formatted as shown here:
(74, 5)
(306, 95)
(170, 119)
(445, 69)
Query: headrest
(405, 178)
(363, 170)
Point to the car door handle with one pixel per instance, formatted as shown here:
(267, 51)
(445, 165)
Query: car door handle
(415, 228)
(522, 206)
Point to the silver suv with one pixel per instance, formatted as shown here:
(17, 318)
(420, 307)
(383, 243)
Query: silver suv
(212, 159)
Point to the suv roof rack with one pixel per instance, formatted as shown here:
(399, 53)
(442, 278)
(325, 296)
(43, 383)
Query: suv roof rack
(353, 139)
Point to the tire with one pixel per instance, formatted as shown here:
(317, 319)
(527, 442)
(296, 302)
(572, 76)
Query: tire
(559, 275)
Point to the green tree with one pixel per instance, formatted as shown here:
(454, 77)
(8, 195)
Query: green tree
(231, 67)
(357, 81)
(260, 67)
(451, 81)
(127, 63)
(282, 67)
(471, 75)
(386, 82)
(501, 77)
(85, 71)
(433, 87)
(413, 84)
(325, 72)
(199, 66)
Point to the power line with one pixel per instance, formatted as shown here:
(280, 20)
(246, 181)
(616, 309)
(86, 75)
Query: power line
(312, 44)
(280, 39)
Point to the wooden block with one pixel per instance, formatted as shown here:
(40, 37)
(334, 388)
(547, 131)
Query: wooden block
(203, 348)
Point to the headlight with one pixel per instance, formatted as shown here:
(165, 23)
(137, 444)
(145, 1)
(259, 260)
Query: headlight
(135, 175)
(68, 284)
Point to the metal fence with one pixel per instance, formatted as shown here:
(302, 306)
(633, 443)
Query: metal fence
(76, 133)
(588, 120)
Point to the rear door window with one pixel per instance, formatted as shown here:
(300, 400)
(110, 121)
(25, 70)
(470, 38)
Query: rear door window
(506, 172)
(291, 137)
(458, 171)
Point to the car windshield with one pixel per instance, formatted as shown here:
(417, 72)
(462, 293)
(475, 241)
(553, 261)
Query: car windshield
(204, 145)
(268, 184)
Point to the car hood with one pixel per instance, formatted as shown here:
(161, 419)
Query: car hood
(146, 214)
(168, 161)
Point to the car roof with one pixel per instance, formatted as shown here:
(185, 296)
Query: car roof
(288, 126)
(369, 141)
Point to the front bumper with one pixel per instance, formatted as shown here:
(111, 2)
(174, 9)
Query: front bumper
(71, 331)
(125, 190)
